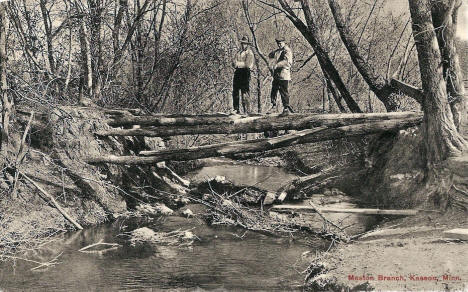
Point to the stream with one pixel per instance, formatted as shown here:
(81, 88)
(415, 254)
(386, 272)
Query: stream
(225, 257)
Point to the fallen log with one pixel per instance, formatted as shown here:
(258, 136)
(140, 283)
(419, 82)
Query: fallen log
(313, 209)
(214, 124)
(49, 198)
(458, 233)
(259, 145)
(172, 120)
(302, 187)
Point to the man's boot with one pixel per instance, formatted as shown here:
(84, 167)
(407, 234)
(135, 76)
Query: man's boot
(286, 111)
(272, 109)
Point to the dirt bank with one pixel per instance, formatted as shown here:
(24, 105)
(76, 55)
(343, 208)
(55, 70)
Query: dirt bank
(56, 145)
(409, 254)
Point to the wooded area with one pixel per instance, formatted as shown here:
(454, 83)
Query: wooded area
(174, 57)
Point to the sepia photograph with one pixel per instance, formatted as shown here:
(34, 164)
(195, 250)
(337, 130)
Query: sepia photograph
(234, 145)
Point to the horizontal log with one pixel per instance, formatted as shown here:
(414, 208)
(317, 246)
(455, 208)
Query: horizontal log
(171, 120)
(458, 233)
(408, 212)
(408, 90)
(216, 124)
(259, 145)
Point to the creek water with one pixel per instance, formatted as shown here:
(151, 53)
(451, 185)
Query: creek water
(225, 258)
(265, 177)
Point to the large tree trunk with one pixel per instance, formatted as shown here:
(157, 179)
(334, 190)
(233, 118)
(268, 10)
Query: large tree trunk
(193, 125)
(441, 137)
(444, 16)
(260, 145)
(7, 101)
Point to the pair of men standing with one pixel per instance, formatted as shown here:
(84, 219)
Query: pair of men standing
(243, 62)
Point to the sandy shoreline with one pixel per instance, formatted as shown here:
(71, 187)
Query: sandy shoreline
(410, 254)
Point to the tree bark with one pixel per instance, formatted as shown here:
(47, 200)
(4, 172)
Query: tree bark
(48, 31)
(444, 17)
(441, 137)
(7, 100)
(260, 145)
(86, 65)
(166, 126)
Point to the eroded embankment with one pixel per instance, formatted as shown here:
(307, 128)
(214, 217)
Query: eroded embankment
(58, 141)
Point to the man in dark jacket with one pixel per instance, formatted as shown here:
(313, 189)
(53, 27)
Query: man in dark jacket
(243, 62)
(282, 58)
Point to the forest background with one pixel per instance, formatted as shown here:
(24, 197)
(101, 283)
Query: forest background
(174, 56)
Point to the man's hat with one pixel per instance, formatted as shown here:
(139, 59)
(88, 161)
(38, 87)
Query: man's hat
(279, 39)
(245, 40)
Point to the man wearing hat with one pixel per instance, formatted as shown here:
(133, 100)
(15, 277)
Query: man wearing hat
(282, 58)
(243, 62)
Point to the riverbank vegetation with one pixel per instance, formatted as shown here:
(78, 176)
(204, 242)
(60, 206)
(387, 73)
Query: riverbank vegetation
(68, 68)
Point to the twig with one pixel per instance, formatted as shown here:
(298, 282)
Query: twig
(52, 262)
(317, 210)
(113, 246)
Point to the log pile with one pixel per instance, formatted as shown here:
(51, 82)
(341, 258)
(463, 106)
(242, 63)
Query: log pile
(326, 127)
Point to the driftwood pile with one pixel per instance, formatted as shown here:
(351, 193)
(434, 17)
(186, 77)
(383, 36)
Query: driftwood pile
(227, 208)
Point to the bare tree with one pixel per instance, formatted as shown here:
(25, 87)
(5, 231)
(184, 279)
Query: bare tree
(48, 32)
(377, 83)
(86, 77)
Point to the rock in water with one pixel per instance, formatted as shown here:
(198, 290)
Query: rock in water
(142, 234)
(163, 209)
(270, 197)
(188, 213)
(282, 196)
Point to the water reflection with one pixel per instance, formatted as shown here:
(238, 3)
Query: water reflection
(220, 260)
(266, 177)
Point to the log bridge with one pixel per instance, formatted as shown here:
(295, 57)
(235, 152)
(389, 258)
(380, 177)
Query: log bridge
(309, 128)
